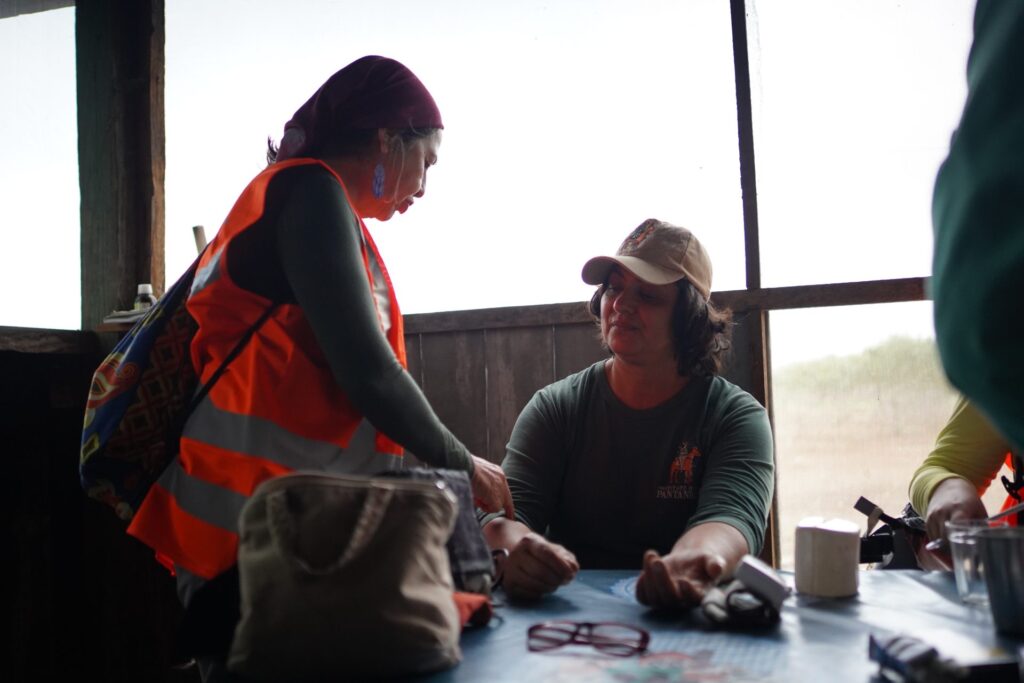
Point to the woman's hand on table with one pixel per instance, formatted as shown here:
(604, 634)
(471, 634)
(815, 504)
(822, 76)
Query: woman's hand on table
(679, 579)
(490, 488)
(535, 567)
(952, 499)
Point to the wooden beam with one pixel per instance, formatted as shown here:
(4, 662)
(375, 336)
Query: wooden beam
(820, 296)
(739, 301)
(35, 340)
(496, 318)
(120, 72)
(749, 367)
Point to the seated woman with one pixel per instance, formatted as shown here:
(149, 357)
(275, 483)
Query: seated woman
(648, 459)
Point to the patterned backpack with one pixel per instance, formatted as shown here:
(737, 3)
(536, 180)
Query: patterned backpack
(140, 397)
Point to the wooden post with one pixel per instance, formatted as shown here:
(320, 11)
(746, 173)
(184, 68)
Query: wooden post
(750, 367)
(120, 71)
(753, 341)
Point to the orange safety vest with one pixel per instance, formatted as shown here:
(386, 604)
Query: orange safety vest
(1010, 500)
(276, 408)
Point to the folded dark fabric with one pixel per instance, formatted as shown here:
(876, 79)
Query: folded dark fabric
(468, 554)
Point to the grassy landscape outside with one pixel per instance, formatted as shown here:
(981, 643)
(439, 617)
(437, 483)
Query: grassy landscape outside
(857, 425)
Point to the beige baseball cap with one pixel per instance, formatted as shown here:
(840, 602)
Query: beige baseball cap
(659, 253)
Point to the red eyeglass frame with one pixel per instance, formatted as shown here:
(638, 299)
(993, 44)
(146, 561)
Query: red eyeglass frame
(551, 635)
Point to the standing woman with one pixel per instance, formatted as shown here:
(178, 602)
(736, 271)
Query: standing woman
(322, 384)
(648, 460)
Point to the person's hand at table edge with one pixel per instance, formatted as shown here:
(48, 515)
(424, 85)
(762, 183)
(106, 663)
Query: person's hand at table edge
(490, 488)
(535, 567)
(953, 499)
(678, 580)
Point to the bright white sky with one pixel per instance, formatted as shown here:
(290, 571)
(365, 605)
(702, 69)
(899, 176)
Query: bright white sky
(568, 122)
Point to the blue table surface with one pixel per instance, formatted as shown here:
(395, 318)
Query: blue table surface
(818, 639)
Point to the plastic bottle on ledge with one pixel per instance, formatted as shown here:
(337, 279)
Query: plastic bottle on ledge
(145, 298)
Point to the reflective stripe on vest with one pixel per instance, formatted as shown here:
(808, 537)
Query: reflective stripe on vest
(207, 274)
(163, 524)
(257, 444)
(204, 488)
(212, 504)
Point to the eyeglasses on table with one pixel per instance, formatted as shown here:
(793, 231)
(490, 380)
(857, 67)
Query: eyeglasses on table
(609, 637)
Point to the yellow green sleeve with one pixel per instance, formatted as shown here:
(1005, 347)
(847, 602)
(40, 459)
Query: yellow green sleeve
(967, 447)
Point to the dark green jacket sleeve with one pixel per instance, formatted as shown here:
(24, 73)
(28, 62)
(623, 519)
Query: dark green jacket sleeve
(978, 214)
(319, 243)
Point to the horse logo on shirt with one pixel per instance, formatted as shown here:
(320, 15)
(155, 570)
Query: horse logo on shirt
(680, 474)
(682, 466)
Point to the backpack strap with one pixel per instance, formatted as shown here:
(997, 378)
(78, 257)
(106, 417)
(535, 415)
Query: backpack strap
(178, 426)
(205, 389)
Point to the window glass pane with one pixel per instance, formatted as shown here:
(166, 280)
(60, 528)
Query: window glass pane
(859, 397)
(567, 124)
(39, 262)
(854, 104)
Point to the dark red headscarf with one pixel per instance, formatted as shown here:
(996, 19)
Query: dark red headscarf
(371, 92)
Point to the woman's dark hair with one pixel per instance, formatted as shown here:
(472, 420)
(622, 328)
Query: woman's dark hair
(701, 333)
(351, 142)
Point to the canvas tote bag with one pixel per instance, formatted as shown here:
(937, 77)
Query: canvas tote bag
(345, 578)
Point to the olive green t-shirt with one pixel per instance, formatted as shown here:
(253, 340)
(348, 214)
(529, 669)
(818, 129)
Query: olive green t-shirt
(609, 482)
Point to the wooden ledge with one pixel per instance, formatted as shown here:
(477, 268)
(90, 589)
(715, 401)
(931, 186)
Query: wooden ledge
(35, 340)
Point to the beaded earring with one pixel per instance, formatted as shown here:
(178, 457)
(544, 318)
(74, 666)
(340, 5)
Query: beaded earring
(378, 181)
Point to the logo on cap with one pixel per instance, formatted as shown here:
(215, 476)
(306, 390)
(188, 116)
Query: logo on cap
(637, 237)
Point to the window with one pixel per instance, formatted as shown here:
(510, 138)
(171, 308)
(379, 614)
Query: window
(40, 260)
(567, 124)
(858, 403)
(854, 104)
(853, 109)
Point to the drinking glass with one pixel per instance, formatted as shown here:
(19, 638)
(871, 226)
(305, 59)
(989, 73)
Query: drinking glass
(967, 564)
(1002, 553)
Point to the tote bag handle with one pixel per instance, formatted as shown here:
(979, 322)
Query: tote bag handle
(283, 532)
